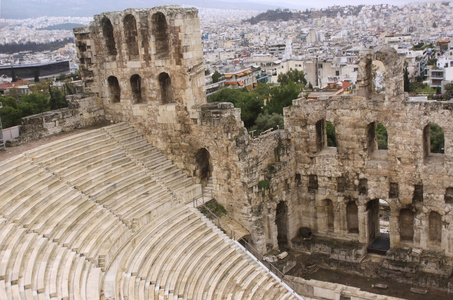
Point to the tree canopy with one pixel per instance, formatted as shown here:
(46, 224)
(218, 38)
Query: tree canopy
(44, 99)
(262, 107)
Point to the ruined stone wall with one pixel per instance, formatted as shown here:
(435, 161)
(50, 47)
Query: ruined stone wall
(82, 111)
(145, 66)
(414, 182)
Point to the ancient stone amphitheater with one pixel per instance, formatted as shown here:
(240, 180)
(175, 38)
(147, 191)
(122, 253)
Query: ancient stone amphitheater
(95, 216)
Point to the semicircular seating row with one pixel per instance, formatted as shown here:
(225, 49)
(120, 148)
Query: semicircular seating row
(102, 215)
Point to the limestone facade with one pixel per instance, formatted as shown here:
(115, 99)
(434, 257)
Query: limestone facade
(145, 65)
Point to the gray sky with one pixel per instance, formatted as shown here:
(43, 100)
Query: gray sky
(19, 9)
(324, 3)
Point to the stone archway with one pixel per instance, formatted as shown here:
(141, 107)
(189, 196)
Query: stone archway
(203, 169)
(281, 220)
(378, 216)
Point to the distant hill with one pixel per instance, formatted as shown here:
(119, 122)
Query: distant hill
(65, 26)
(21, 9)
(286, 14)
(34, 47)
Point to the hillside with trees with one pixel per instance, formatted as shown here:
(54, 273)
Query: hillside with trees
(34, 47)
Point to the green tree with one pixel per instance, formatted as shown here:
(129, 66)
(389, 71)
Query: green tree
(216, 76)
(267, 121)
(33, 104)
(282, 97)
(294, 76)
(250, 107)
(10, 112)
(448, 91)
(57, 99)
(331, 136)
(437, 138)
(382, 136)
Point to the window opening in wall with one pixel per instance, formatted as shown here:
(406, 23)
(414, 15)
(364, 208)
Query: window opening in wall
(352, 212)
(160, 32)
(312, 183)
(433, 143)
(393, 190)
(437, 140)
(406, 224)
(377, 216)
(341, 184)
(378, 75)
(449, 195)
(418, 193)
(203, 167)
(107, 30)
(137, 89)
(331, 135)
(281, 220)
(330, 217)
(114, 89)
(377, 139)
(298, 179)
(130, 32)
(320, 137)
(371, 138)
(382, 136)
(363, 189)
(435, 227)
(166, 90)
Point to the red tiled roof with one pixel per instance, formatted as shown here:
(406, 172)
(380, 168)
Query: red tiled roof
(14, 84)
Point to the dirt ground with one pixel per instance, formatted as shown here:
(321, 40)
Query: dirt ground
(394, 289)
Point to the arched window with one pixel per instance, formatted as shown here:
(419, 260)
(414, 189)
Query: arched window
(166, 90)
(331, 134)
(320, 135)
(130, 33)
(114, 89)
(406, 224)
(352, 217)
(160, 33)
(107, 30)
(435, 227)
(137, 89)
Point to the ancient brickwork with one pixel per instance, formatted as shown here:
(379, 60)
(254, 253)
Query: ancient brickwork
(146, 67)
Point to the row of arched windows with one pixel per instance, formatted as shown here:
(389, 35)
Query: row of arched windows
(377, 137)
(138, 89)
(159, 30)
(405, 221)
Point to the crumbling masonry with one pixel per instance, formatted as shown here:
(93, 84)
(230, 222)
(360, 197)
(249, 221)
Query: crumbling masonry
(145, 65)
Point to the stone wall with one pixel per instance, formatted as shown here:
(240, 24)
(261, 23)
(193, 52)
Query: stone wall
(326, 290)
(144, 67)
(82, 111)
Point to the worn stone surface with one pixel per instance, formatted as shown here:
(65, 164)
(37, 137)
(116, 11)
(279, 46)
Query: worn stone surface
(149, 73)
(82, 111)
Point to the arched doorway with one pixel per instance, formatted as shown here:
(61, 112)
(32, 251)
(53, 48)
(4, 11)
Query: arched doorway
(166, 90)
(107, 31)
(160, 32)
(281, 220)
(378, 216)
(203, 169)
(130, 33)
